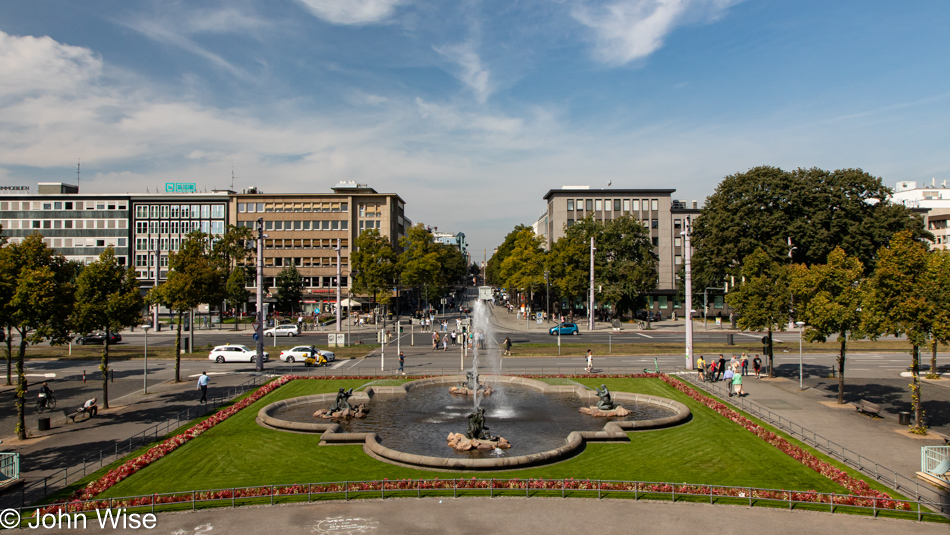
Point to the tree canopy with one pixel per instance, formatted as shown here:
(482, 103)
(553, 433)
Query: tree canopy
(289, 289)
(372, 264)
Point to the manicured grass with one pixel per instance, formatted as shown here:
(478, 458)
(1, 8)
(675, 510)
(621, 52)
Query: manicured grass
(709, 449)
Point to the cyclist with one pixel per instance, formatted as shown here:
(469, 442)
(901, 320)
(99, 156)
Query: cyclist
(44, 396)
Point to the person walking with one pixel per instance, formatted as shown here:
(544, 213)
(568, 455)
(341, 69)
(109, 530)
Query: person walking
(745, 364)
(203, 381)
(720, 367)
(454, 336)
(435, 341)
(727, 377)
(737, 385)
(757, 366)
(590, 361)
(507, 346)
(402, 362)
(701, 367)
(445, 342)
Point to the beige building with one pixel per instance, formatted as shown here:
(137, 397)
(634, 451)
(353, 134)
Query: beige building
(662, 215)
(303, 230)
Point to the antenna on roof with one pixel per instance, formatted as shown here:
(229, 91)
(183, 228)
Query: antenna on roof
(78, 162)
(232, 178)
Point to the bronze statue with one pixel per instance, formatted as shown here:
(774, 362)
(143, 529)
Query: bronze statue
(605, 403)
(476, 426)
(342, 400)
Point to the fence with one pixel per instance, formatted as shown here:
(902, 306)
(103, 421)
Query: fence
(41, 488)
(636, 490)
(935, 460)
(900, 483)
(9, 465)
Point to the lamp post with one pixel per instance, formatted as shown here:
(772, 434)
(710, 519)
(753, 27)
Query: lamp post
(547, 294)
(688, 281)
(145, 328)
(590, 308)
(800, 325)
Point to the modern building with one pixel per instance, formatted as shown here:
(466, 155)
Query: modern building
(663, 216)
(455, 240)
(304, 229)
(932, 202)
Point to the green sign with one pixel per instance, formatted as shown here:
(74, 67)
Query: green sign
(180, 187)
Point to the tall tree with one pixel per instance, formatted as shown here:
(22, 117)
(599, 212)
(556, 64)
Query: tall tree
(372, 264)
(763, 299)
(452, 263)
(107, 299)
(819, 210)
(569, 265)
(907, 296)
(419, 261)
(7, 287)
(289, 289)
(523, 269)
(195, 276)
(493, 267)
(41, 300)
(829, 298)
(237, 290)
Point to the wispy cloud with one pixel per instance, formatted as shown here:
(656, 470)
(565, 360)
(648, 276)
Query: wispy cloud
(627, 30)
(170, 34)
(352, 11)
(469, 68)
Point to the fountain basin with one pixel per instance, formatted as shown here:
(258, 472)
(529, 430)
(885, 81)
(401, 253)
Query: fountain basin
(385, 445)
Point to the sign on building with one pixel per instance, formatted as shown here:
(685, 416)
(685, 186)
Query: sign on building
(484, 293)
(180, 187)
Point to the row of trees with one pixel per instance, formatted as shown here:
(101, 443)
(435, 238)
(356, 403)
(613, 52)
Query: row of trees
(625, 264)
(423, 264)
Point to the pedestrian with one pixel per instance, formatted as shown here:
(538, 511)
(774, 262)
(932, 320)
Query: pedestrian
(701, 366)
(402, 362)
(454, 337)
(203, 386)
(435, 341)
(745, 364)
(727, 377)
(590, 361)
(720, 367)
(507, 346)
(757, 366)
(737, 385)
(445, 342)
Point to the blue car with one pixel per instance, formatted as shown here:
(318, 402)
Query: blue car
(565, 328)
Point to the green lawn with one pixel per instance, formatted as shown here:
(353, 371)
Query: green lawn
(709, 449)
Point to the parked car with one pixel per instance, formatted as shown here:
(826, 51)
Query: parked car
(287, 329)
(565, 328)
(98, 338)
(236, 353)
(298, 354)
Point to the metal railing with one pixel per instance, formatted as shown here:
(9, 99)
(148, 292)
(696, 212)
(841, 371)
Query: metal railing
(40, 488)
(868, 467)
(931, 458)
(500, 487)
(9, 465)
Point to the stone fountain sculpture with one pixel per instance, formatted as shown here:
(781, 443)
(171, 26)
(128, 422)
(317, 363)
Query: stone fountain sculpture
(477, 437)
(471, 386)
(605, 408)
(342, 409)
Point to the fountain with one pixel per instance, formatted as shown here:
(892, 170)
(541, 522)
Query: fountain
(409, 423)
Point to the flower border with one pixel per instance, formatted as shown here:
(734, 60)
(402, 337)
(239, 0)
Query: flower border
(864, 495)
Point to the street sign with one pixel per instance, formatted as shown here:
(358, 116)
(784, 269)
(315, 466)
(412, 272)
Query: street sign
(254, 325)
(538, 315)
(255, 337)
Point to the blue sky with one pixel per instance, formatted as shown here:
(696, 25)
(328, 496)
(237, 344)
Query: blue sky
(470, 110)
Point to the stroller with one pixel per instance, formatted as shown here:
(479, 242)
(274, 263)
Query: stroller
(710, 374)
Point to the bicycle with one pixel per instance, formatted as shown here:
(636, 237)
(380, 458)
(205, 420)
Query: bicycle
(44, 403)
(641, 325)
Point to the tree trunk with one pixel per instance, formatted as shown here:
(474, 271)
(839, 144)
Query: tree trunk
(769, 351)
(915, 390)
(841, 356)
(21, 390)
(104, 368)
(933, 362)
(178, 350)
(9, 355)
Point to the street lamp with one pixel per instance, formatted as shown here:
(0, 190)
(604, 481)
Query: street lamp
(800, 325)
(145, 328)
(547, 294)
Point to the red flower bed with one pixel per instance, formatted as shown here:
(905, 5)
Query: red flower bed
(864, 494)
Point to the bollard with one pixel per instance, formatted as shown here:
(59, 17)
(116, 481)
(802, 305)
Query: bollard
(84, 376)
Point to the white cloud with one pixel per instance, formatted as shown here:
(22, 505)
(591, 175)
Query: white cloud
(627, 30)
(352, 11)
(40, 65)
(168, 33)
(470, 71)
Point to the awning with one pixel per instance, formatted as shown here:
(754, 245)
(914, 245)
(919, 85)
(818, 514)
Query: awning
(350, 303)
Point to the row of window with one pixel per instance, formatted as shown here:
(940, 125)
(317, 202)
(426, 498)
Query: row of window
(651, 223)
(176, 211)
(64, 205)
(80, 242)
(319, 261)
(265, 207)
(615, 205)
(25, 224)
(305, 244)
(179, 227)
(335, 224)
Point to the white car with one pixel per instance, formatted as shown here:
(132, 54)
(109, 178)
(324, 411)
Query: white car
(327, 355)
(297, 354)
(283, 330)
(229, 353)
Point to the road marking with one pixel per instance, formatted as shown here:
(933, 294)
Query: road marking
(893, 366)
(750, 335)
(644, 335)
(337, 364)
(858, 369)
(209, 374)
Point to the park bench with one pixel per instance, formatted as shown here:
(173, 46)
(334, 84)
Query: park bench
(72, 415)
(865, 406)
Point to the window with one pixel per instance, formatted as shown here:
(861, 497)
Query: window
(58, 223)
(344, 207)
(677, 260)
(205, 211)
(362, 210)
(570, 222)
(717, 301)
(217, 227)
(260, 207)
(335, 225)
(626, 205)
(677, 242)
(153, 211)
(141, 227)
(656, 242)
(141, 211)
(68, 206)
(335, 207)
(195, 211)
(164, 227)
(242, 207)
(677, 223)
(579, 204)
(278, 225)
(589, 205)
(100, 243)
(654, 223)
(664, 301)
(636, 205)
(163, 244)
(298, 225)
(326, 225)
(153, 227)
(121, 242)
(570, 204)
(654, 205)
(58, 205)
(205, 227)
(165, 209)
(36, 224)
(598, 205)
(306, 225)
(268, 225)
(110, 223)
(68, 223)
(616, 205)
(217, 211)
(345, 225)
